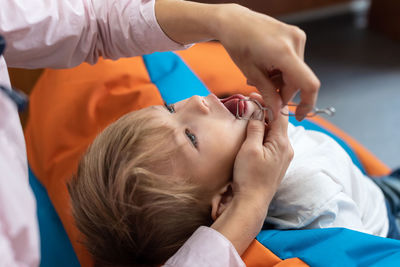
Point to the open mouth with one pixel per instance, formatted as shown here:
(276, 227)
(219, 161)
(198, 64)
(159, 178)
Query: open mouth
(235, 106)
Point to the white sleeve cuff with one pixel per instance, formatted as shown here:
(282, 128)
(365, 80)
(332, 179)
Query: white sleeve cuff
(206, 247)
(156, 40)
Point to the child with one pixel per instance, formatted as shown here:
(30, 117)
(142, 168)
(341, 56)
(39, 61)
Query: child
(155, 175)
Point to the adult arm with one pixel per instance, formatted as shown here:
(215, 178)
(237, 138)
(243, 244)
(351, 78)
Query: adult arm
(269, 53)
(255, 181)
(61, 34)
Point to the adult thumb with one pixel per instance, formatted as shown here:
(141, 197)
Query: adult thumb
(255, 132)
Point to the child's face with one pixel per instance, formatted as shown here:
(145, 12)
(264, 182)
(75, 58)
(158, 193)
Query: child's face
(209, 137)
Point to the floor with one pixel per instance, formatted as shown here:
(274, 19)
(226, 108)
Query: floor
(360, 75)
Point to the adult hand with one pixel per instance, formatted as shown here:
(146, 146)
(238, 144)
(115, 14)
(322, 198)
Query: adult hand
(259, 168)
(262, 160)
(271, 55)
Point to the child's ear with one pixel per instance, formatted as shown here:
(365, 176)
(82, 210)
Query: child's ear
(221, 200)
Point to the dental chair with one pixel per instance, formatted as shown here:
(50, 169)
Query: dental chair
(68, 108)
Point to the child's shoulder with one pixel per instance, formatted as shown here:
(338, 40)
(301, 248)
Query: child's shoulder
(313, 144)
(318, 161)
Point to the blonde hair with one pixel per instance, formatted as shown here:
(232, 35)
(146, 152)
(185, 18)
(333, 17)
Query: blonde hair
(128, 213)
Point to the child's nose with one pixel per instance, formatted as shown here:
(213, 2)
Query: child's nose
(199, 104)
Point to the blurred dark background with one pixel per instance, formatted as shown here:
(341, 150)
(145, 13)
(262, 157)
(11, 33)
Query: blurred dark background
(359, 69)
(354, 48)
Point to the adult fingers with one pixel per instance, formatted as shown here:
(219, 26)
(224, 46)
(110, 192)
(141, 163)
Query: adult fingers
(255, 133)
(302, 47)
(287, 94)
(277, 144)
(296, 74)
(268, 90)
(299, 40)
(304, 106)
(257, 97)
(278, 127)
(281, 87)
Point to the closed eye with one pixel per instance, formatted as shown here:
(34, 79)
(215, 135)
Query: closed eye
(170, 108)
(191, 137)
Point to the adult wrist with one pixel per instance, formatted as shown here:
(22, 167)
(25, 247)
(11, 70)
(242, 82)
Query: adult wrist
(224, 19)
(188, 22)
(255, 203)
(260, 196)
(242, 221)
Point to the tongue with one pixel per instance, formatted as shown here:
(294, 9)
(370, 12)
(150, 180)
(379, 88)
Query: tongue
(232, 106)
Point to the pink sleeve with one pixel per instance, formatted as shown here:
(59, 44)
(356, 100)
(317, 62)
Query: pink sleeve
(206, 248)
(61, 34)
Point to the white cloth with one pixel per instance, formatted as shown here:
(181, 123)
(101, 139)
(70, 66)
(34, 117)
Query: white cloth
(323, 188)
(60, 34)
